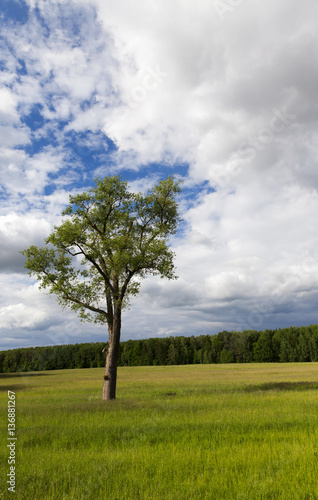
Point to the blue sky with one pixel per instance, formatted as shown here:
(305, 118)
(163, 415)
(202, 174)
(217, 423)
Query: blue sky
(223, 96)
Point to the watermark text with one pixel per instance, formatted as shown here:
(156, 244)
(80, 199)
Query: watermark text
(12, 441)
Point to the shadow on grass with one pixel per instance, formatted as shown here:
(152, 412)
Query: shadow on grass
(15, 387)
(24, 374)
(282, 386)
(8, 380)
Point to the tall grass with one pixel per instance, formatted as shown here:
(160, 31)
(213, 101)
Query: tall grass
(177, 432)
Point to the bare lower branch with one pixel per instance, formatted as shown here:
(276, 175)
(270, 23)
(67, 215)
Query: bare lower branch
(87, 306)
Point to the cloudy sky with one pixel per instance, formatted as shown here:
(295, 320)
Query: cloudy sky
(222, 93)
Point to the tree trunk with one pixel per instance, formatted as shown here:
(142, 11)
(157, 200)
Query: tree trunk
(110, 377)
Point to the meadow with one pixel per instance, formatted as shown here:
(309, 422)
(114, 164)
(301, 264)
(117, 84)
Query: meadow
(232, 431)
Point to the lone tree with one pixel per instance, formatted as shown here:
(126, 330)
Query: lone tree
(109, 240)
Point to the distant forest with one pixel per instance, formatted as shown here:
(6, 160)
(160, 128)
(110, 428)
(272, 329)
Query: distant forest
(292, 344)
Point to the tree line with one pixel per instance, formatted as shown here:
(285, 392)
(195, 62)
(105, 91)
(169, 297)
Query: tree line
(294, 344)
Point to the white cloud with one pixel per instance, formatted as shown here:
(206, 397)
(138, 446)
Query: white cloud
(8, 106)
(14, 136)
(22, 306)
(19, 315)
(18, 232)
(26, 175)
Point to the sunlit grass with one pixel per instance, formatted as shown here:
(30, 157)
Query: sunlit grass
(179, 432)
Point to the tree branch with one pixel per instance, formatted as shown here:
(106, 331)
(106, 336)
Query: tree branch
(87, 306)
(67, 296)
(126, 283)
(102, 272)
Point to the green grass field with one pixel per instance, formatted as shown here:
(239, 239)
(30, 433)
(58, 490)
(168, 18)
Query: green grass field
(178, 432)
